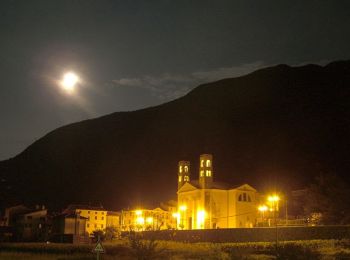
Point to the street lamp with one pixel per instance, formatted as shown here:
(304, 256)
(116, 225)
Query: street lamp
(262, 209)
(273, 200)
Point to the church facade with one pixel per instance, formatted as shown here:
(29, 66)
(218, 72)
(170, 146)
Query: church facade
(206, 204)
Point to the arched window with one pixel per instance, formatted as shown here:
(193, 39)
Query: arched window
(186, 168)
(180, 178)
(186, 178)
(208, 164)
(202, 173)
(202, 163)
(240, 197)
(208, 173)
(180, 168)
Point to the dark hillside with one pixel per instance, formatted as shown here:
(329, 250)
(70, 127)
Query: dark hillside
(277, 126)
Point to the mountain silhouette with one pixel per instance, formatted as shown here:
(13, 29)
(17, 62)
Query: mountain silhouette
(275, 128)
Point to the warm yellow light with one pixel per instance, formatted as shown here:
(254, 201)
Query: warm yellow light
(273, 198)
(69, 81)
(183, 207)
(138, 212)
(176, 215)
(140, 221)
(149, 220)
(263, 208)
(201, 214)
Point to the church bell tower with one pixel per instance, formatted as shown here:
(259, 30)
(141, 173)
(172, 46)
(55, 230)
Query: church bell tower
(183, 173)
(205, 171)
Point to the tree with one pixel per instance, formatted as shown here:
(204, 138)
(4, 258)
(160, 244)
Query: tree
(329, 196)
(111, 233)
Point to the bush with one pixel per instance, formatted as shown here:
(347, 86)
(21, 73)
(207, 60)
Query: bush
(296, 252)
(144, 249)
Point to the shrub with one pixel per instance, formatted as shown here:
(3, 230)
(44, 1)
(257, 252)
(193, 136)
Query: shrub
(296, 252)
(144, 249)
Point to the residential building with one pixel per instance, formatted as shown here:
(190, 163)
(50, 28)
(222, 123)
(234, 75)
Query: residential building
(96, 216)
(147, 219)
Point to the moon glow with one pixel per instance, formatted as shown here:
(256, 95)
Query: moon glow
(69, 82)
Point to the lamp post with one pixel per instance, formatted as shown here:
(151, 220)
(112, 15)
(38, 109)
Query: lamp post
(273, 200)
(262, 209)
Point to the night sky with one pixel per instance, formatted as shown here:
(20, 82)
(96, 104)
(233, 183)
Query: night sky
(134, 54)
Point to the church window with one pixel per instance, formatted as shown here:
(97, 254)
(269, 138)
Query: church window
(180, 178)
(180, 168)
(208, 164)
(186, 168)
(202, 163)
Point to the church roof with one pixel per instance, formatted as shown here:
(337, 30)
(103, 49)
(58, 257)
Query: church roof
(216, 185)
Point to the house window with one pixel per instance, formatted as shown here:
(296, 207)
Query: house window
(95, 212)
(186, 178)
(186, 168)
(180, 178)
(208, 173)
(202, 173)
(180, 168)
(202, 163)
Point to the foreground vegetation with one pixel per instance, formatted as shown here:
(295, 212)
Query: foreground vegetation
(135, 248)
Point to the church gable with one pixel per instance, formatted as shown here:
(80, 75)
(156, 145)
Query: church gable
(245, 187)
(187, 187)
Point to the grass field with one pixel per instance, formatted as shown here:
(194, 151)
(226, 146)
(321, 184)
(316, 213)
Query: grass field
(140, 249)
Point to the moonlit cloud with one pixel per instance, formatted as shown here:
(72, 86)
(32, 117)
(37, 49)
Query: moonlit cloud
(169, 86)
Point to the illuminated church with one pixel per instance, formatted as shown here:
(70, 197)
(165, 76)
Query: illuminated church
(206, 204)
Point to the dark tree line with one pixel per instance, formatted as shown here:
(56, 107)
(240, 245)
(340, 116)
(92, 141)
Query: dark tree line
(329, 197)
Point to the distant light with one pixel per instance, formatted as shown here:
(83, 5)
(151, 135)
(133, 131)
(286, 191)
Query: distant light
(183, 207)
(138, 212)
(176, 215)
(140, 221)
(263, 208)
(149, 220)
(273, 198)
(69, 82)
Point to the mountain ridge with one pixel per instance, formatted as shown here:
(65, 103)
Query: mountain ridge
(275, 127)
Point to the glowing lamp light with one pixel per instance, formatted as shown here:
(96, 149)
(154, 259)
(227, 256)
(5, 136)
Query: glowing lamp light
(183, 207)
(140, 221)
(262, 208)
(149, 220)
(138, 212)
(201, 214)
(176, 215)
(273, 198)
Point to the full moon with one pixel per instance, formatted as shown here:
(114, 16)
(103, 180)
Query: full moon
(69, 82)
